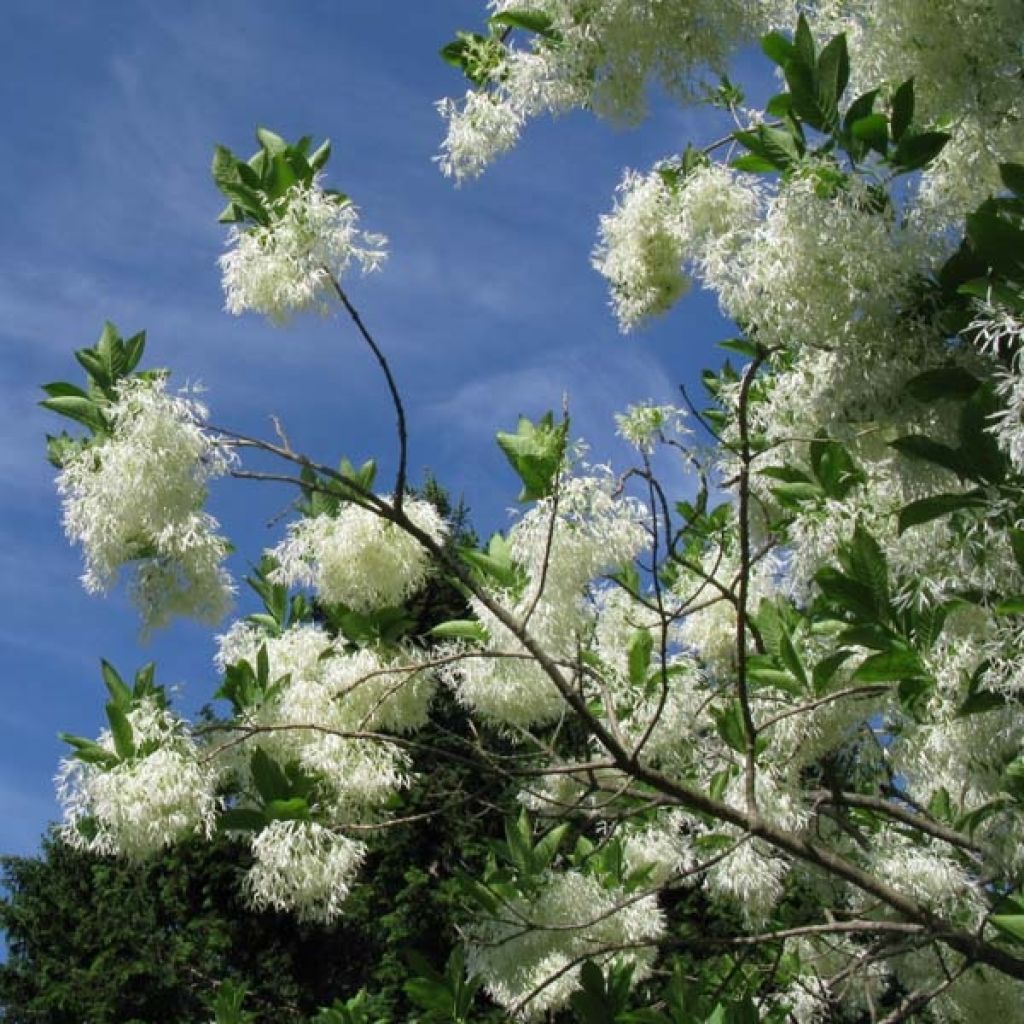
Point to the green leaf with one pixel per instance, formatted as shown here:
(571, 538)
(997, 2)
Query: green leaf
(787, 474)
(889, 666)
(825, 670)
(777, 47)
(293, 809)
(82, 410)
(121, 731)
(495, 564)
(924, 449)
(93, 365)
(761, 671)
(753, 164)
(987, 460)
(271, 141)
(62, 389)
(980, 700)
(846, 593)
(242, 819)
(860, 108)
(1010, 606)
(949, 382)
(773, 145)
(319, 157)
(780, 105)
(591, 1002)
(793, 494)
(133, 350)
(830, 80)
(1009, 916)
(282, 177)
(536, 452)
(940, 806)
(937, 506)
(462, 629)
(873, 131)
(119, 692)
(913, 692)
(547, 848)
(529, 21)
(902, 109)
(770, 624)
(996, 240)
(1013, 178)
(973, 819)
(869, 634)
(268, 777)
(1009, 924)
(791, 659)
(742, 346)
(641, 645)
(803, 43)
(89, 751)
(729, 722)
(865, 561)
(519, 840)
(917, 151)
(834, 467)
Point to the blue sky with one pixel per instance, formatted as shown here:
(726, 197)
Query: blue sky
(487, 308)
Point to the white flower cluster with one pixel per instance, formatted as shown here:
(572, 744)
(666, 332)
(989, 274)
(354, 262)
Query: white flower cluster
(658, 849)
(965, 59)
(645, 423)
(931, 874)
(324, 693)
(287, 267)
(358, 559)
(1002, 331)
(144, 803)
(605, 55)
(670, 716)
(530, 960)
(563, 543)
(640, 253)
(303, 868)
(659, 225)
(137, 496)
(752, 878)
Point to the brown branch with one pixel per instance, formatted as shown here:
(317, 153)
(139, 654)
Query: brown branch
(396, 398)
(894, 810)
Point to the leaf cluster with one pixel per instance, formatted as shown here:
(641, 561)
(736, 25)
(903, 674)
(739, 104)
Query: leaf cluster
(813, 100)
(255, 186)
(106, 364)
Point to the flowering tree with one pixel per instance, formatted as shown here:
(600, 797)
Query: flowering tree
(788, 706)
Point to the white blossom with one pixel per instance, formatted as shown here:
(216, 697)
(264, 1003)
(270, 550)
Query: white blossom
(144, 803)
(357, 558)
(479, 129)
(303, 868)
(573, 917)
(288, 266)
(606, 54)
(563, 543)
(644, 423)
(136, 497)
(324, 694)
(751, 877)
